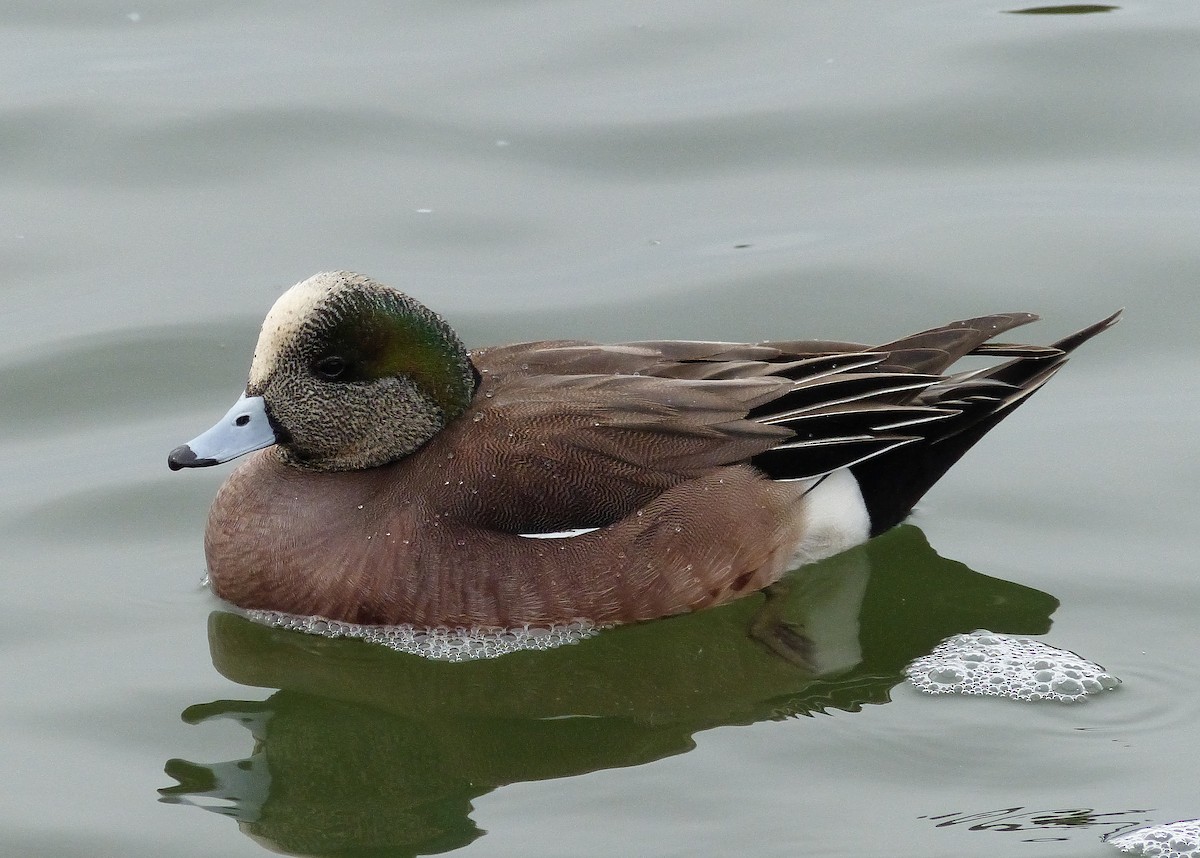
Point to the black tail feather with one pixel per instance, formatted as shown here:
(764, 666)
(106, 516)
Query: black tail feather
(893, 483)
(891, 417)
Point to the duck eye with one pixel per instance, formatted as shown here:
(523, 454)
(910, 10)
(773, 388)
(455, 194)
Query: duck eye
(331, 367)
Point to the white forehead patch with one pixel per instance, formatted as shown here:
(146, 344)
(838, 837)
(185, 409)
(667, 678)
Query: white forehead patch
(285, 318)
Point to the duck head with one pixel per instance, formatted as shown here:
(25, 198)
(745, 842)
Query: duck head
(347, 374)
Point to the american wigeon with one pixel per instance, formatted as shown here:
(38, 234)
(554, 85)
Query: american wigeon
(409, 480)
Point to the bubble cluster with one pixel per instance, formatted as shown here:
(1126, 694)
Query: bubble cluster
(440, 644)
(982, 662)
(1172, 840)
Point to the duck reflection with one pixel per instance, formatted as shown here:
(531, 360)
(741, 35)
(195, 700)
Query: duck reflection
(365, 751)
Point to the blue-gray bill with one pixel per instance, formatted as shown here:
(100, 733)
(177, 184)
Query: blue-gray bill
(244, 429)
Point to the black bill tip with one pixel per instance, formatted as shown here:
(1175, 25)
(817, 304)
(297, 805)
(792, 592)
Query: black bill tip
(183, 457)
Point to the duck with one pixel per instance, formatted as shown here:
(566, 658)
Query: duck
(395, 477)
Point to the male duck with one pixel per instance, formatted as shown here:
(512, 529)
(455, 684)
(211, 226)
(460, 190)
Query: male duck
(407, 478)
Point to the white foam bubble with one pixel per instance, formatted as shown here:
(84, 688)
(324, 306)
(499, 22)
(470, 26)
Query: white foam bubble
(440, 644)
(1172, 840)
(1002, 666)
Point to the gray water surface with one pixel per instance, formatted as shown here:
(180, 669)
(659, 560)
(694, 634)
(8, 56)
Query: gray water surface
(608, 171)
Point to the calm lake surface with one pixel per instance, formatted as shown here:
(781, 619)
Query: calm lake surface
(606, 171)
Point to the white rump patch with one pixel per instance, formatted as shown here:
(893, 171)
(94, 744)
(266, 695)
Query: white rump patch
(560, 534)
(835, 518)
(285, 318)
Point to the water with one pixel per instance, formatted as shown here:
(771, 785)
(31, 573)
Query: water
(609, 171)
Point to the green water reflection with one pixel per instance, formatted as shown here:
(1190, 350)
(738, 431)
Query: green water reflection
(363, 751)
